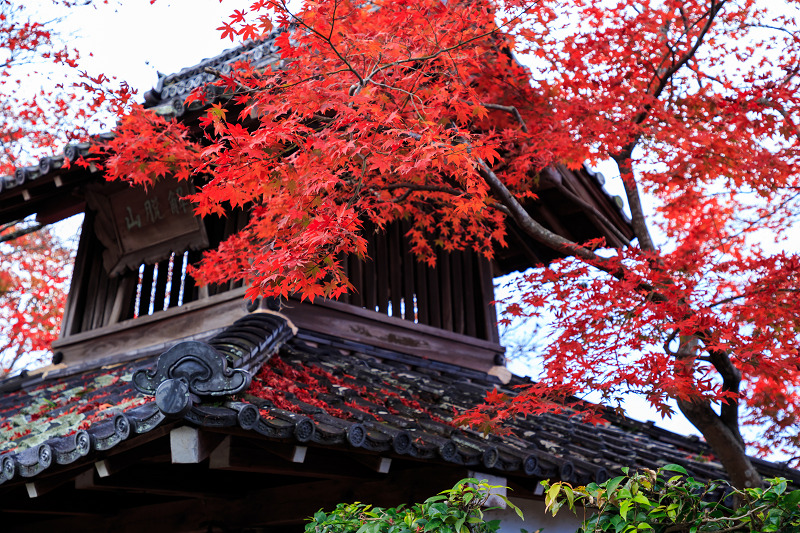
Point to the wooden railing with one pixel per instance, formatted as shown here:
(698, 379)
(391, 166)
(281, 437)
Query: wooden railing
(454, 296)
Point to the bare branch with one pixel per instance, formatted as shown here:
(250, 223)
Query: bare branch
(21, 232)
(509, 109)
(590, 209)
(528, 224)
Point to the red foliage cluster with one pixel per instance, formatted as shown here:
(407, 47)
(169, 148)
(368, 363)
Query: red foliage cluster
(37, 120)
(418, 110)
(33, 286)
(311, 384)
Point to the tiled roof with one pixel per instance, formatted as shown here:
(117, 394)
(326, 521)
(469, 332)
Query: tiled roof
(321, 391)
(168, 96)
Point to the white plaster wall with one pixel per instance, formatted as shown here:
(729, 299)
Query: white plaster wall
(535, 518)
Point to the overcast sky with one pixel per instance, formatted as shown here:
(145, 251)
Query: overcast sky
(135, 40)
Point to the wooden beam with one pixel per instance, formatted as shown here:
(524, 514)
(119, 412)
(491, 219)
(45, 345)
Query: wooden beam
(236, 454)
(246, 455)
(37, 489)
(128, 336)
(155, 480)
(44, 484)
(297, 454)
(85, 480)
(38, 510)
(112, 465)
(220, 457)
(372, 328)
(288, 504)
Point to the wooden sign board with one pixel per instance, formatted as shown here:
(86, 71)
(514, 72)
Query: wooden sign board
(144, 226)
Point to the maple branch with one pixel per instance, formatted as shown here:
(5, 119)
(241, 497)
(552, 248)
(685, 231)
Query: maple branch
(528, 224)
(357, 191)
(771, 27)
(785, 114)
(589, 208)
(721, 431)
(327, 41)
(21, 232)
(752, 223)
(726, 443)
(746, 294)
(701, 75)
(684, 18)
(638, 221)
(714, 9)
(412, 187)
(623, 158)
(731, 381)
(667, 342)
(333, 20)
(509, 109)
(436, 54)
(411, 96)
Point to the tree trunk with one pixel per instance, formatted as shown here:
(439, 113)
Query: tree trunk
(721, 432)
(726, 443)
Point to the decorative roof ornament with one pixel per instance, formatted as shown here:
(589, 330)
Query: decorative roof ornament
(187, 369)
(192, 370)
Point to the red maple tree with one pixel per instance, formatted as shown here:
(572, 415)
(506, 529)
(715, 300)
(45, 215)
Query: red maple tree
(35, 118)
(34, 279)
(419, 110)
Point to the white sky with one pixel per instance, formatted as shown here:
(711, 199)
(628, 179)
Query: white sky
(135, 40)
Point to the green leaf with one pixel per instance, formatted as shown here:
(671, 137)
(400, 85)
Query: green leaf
(570, 496)
(433, 525)
(672, 510)
(550, 496)
(612, 484)
(623, 509)
(675, 468)
(791, 500)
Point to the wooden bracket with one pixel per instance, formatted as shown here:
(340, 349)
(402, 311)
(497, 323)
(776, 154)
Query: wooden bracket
(289, 452)
(189, 445)
(224, 458)
(37, 488)
(380, 465)
(112, 465)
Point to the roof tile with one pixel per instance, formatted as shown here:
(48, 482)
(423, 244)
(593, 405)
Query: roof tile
(336, 394)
